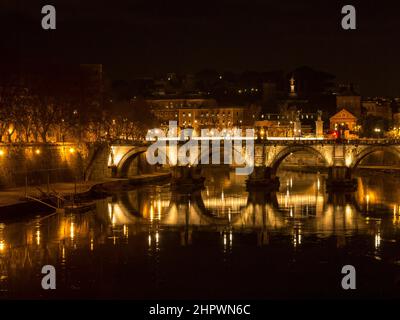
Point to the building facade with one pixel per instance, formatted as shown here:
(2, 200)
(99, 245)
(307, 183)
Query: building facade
(212, 117)
(168, 109)
(377, 108)
(344, 119)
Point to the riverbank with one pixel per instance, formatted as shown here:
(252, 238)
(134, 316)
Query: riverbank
(13, 201)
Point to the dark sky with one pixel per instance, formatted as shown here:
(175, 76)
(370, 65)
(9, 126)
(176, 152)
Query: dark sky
(144, 37)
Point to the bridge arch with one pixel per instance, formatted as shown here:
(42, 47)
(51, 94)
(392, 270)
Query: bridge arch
(369, 150)
(284, 153)
(126, 160)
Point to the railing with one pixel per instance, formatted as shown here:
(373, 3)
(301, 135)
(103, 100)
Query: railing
(362, 141)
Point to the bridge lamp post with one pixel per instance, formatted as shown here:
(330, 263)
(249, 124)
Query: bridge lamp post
(377, 131)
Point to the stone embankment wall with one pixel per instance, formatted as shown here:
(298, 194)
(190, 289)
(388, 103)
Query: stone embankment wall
(35, 164)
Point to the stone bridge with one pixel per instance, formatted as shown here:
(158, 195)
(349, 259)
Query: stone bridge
(340, 157)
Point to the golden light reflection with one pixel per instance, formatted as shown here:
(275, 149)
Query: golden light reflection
(72, 231)
(2, 240)
(378, 240)
(297, 237)
(159, 209)
(227, 240)
(125, 231)
(38, 237)
(151, 211)
(157, 238)
(231, 203)
(37, 234)
(396, 214)
(2, 246)
(110, 210)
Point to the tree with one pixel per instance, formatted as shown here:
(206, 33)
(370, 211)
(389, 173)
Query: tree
(8, 106)
(373, 126)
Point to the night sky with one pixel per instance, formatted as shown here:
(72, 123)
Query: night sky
(144, 37)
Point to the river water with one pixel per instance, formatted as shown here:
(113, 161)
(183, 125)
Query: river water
(221, 242)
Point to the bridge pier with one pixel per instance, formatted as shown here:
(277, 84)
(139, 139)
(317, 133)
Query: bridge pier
(263, 179)
(340, 180)
(187, 178)
(261, 197)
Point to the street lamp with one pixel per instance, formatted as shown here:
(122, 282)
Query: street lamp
(377, 131)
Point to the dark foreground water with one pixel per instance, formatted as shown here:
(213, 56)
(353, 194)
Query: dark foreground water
(219, 243)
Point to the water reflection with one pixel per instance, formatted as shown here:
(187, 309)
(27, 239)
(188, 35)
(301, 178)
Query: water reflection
(154, 232)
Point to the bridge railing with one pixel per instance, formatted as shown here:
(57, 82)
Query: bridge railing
(287, 141)
(310, 141)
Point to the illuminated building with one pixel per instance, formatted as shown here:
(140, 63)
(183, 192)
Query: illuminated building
(168, 109)
(343, 118)
(215, 117)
